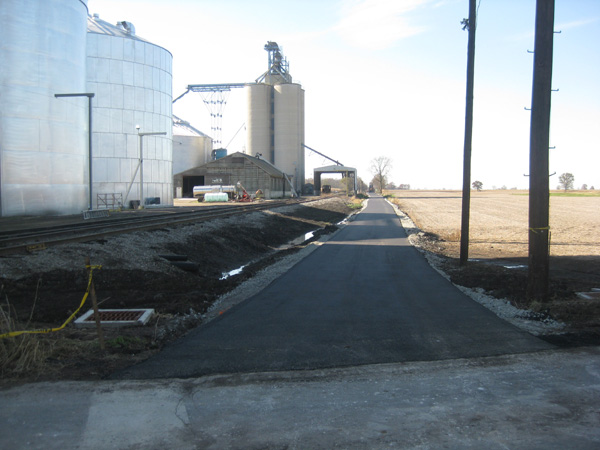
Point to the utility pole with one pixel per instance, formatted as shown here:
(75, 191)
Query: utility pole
(539, 144)
(471, 26)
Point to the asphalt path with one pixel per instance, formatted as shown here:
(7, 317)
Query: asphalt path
(365, 296)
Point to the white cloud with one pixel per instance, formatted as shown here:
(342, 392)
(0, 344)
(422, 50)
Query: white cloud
(377, 24)
(576, 24)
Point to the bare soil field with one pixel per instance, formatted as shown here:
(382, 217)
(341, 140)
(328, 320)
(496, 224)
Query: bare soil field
(498, 249)
(499, 222)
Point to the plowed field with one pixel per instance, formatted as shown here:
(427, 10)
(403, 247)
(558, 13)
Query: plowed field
(499, 221)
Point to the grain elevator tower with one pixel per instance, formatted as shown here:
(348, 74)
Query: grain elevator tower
(275, 125)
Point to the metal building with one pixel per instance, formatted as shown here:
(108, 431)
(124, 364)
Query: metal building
(132, 79)
(254, 173)
(43, 139)
(275, 125)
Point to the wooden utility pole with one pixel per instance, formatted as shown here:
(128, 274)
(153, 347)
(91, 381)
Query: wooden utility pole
(539, 189)
(471, 25)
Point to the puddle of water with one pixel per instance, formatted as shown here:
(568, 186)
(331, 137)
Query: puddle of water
(500, 263)
(232, 273)
(300, 239)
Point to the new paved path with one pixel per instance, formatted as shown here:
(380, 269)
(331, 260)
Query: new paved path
(365, 296)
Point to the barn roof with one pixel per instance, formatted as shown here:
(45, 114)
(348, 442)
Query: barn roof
(229, 159)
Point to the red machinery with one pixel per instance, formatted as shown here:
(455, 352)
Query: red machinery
(241, 193)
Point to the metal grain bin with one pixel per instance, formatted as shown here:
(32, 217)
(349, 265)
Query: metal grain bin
(43, 139)
(132, 78)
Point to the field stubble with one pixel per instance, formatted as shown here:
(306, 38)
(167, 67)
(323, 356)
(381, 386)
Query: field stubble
(499, 222)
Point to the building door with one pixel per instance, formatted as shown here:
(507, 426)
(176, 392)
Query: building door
(189, 183)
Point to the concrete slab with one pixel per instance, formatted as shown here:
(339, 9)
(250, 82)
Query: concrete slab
(543, 400)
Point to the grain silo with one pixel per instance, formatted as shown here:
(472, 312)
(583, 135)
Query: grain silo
(258, 123)
(276, 118)
(132, 79)
(43, 139)
(289, 131)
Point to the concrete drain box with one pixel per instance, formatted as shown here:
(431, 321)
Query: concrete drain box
(116, 317)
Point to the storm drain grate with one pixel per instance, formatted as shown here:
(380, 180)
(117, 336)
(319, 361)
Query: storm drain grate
(109, 316)
(116, 317)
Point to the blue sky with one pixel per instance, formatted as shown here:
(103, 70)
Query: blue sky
(387, 78)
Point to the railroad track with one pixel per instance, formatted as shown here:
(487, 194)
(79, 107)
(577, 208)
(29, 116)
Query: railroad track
(14, 241)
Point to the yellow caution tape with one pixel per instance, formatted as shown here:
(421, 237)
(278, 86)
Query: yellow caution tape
(71, 317)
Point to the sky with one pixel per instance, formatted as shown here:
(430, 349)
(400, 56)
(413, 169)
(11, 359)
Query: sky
(388, 78)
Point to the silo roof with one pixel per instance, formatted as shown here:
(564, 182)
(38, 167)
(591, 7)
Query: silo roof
(99, 26)
(184, 128)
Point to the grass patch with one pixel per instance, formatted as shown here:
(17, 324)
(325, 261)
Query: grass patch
(26, 356)
(575, 194)
(355, 202)
(126, 342)
(355, 205)
(20, 354)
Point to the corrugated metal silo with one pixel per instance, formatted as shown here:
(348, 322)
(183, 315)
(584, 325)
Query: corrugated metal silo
(132, 79)
(258, 124)
(289, 131)
(43, 139)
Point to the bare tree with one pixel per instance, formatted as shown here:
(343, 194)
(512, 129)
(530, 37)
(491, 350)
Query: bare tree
(362, 187)
(477, 185)
(567, 181)
(380, 167)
